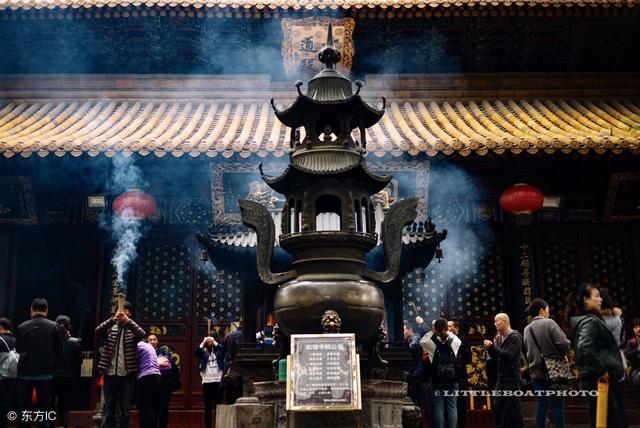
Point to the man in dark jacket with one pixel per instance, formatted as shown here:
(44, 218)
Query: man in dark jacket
(506, 349)
(39, 342)
(119, 364)
(7, 380)
(463, 358)
(232, 382)
(412, 370)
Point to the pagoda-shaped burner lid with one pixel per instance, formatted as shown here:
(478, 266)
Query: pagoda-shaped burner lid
(329, 85)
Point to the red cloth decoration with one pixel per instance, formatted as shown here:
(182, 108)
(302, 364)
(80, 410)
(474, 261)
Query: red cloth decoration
(134, 204)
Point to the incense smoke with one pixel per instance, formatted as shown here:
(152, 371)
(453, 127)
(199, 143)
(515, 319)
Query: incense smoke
(125, 230)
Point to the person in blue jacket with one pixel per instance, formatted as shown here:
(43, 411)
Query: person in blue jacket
(211, 357)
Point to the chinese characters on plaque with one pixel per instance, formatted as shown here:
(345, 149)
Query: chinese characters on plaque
(525, 274)
(323, 373)
(303, 39)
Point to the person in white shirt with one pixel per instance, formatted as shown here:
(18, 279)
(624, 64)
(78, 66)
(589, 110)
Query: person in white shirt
(211, 358)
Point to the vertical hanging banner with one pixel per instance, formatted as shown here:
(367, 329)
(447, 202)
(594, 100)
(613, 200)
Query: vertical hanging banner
(525, 273)
(303, 39)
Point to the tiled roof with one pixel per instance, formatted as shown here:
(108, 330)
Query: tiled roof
(249, 128)
(302, 4)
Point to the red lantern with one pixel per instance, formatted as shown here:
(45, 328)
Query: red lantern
(134, 204)
(521, 199)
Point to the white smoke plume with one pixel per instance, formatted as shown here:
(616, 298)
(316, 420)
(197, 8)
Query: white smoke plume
(125, 231)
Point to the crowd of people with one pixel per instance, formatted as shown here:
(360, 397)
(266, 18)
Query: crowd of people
(534, 360)
(40, 363)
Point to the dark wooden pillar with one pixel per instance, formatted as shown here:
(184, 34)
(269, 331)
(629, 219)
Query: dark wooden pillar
(521, 283)
(7, 273)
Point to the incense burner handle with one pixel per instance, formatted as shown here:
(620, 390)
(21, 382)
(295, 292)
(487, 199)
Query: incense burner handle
(399, 215)
(258, 218)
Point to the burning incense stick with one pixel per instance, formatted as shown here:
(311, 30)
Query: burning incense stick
(415, 309)
(208, 326)
(121, 298)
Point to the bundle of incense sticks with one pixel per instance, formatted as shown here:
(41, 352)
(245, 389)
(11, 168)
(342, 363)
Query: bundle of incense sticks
(208, 326)
(121, 298)
(415, 309)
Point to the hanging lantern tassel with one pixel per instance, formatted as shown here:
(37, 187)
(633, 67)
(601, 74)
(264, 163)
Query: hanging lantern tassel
(439, 254)
(34, 397)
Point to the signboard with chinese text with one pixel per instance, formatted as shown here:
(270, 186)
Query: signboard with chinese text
(323, 373)
(303, 39)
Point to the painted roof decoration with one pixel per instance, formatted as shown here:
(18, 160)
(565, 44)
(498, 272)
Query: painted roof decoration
(212, 128)
(303, 4)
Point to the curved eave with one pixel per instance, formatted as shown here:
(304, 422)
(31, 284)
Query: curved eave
(359, 171)
(295, 5)
(291, 116)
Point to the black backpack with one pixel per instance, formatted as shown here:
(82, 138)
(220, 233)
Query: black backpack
(444, 363)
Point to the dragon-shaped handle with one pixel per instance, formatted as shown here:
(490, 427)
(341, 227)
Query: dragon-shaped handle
(258, 218)
(399, 215)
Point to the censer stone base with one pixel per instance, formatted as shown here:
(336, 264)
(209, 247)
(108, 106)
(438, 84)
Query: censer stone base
(384, 405)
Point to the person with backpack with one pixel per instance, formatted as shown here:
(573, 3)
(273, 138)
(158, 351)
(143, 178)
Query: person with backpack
(8, 370)
(506, 350)
(440, 369)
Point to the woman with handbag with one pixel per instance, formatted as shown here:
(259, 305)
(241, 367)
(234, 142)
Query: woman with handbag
(632, 352)
(8, 370)
(596, 352)
(546, 344)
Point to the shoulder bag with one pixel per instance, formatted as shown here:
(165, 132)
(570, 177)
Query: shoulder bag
(9, 363)
(556, 369)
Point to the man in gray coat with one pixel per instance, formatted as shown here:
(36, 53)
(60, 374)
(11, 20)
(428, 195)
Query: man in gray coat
(543, 336)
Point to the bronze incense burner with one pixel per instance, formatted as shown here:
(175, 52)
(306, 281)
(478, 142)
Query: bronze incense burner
(328, 222)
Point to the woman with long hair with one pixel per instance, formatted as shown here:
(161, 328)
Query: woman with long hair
(596, 352)
(66, 371)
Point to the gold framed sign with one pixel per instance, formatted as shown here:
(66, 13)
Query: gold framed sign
(323, 373)
(303, 38)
